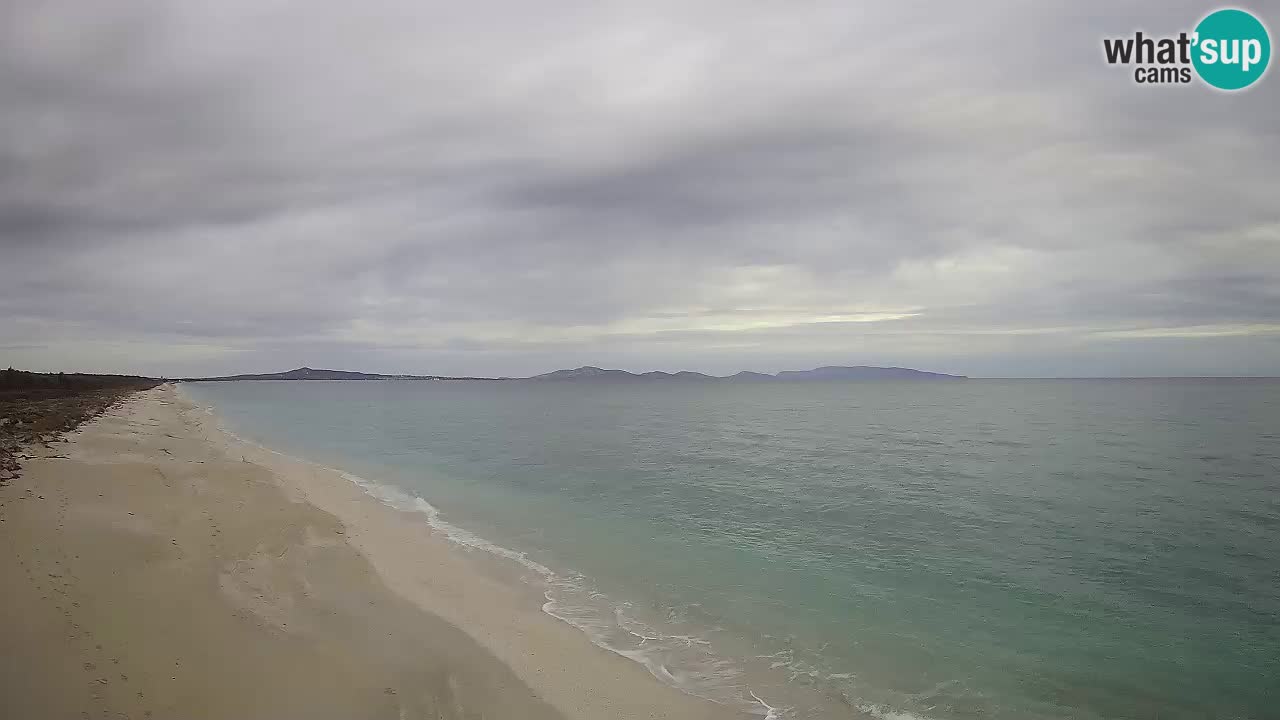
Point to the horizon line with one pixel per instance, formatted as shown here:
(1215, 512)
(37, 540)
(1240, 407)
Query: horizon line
(412, 375)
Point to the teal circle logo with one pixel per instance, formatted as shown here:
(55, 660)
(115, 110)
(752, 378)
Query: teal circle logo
(1232, 49)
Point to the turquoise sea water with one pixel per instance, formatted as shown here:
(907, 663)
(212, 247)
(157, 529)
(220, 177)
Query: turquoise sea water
(979, 549)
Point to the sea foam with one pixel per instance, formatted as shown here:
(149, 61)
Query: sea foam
(571, 599)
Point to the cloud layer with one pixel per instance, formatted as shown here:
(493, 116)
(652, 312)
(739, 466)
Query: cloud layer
(507, 188)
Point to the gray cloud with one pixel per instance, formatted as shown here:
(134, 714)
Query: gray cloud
(498, 188)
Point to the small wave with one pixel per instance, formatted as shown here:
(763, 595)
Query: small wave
(770, 712)
(683, 660)
(883, 713)
(401, 500)
(571, 599)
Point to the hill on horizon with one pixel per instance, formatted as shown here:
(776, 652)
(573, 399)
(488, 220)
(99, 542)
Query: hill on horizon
(828, 372)
(597, 374)
(306, 373)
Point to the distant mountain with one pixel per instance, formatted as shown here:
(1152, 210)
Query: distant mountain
(587, 372)
(306, 373)
(859, 372)
(690, 375)
(863, 372)
(590, 373)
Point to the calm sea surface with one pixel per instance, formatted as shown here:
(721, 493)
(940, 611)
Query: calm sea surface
(979, 549)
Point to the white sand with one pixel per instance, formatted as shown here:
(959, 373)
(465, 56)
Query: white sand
(164, 569)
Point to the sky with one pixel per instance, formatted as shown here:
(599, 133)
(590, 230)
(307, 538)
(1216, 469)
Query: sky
(507, 188)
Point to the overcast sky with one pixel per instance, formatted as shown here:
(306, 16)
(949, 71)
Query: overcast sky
(512, 187)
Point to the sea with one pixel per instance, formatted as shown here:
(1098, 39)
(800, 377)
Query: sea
(931, 549)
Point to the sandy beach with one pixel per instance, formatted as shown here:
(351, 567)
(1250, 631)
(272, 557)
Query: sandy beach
(153, 566)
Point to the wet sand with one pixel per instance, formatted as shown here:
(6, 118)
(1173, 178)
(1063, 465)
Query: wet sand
(154, 566)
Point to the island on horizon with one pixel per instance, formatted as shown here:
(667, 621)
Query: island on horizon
(597, 374)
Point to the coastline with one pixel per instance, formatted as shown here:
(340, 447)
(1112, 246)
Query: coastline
(158, 566)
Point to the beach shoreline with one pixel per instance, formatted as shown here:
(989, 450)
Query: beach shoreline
(158, 566)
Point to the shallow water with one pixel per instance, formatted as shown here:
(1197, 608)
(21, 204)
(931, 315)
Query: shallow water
(995, 549)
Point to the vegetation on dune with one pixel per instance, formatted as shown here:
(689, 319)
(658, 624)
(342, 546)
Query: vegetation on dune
(40, 407)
